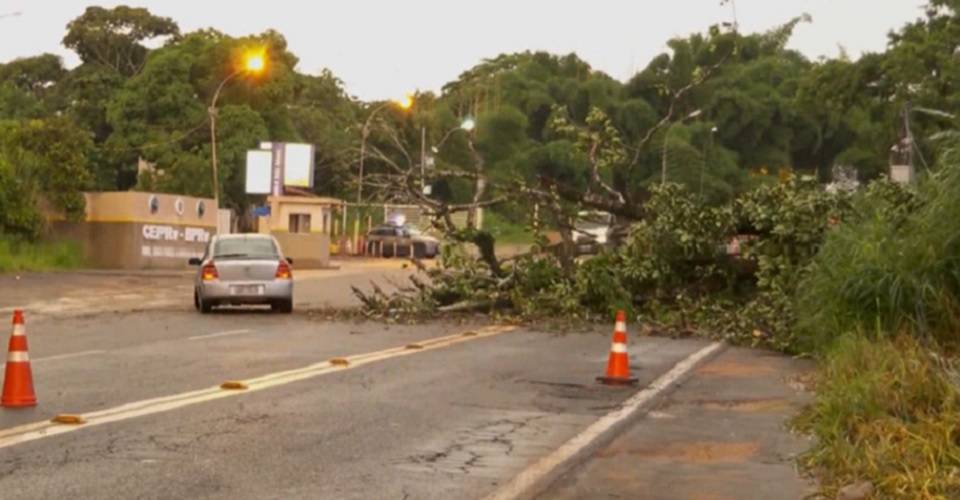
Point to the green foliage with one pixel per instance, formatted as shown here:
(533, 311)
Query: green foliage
(885, 412)
(892, 268)
(40, 160)
(114, 37)
(18, 204)
(507, 230)
(677, 247)
(18, 255)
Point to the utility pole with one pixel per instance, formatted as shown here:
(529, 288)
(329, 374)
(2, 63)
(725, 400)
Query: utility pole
(423, 159)
(908, 133)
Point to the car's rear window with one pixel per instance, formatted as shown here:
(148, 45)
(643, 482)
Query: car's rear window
(245, 248)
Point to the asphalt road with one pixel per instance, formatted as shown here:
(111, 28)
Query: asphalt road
(454, 418)
(72, 294)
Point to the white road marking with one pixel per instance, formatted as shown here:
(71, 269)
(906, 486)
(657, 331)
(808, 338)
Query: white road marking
(218, 334)
(525, 484)
(44, 429)
(68, 356)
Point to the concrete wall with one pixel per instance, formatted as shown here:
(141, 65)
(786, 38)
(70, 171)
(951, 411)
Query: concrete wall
(308, 251)
(121, 230)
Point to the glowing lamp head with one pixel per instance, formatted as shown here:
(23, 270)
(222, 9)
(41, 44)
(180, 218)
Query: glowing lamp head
(405, 103)
(255, 62)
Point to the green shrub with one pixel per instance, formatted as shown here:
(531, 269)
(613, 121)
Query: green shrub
(893, 267)
(20, 255)
(506, 231)
(887, 412)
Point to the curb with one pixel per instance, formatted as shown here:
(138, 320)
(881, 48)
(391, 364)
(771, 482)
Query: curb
(518, 489)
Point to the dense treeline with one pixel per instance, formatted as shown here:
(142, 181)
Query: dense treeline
(719, 112)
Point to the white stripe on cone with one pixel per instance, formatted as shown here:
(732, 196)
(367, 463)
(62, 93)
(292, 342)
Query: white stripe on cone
(19, 331)
(18, 357)
(621, 326)
(618, 348)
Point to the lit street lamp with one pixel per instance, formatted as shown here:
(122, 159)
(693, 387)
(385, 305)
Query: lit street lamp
(467, 125)
(666, 138)
(404, 104)
(254, 63)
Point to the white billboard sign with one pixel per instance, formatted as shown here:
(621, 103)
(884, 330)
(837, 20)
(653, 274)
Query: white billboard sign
(259, 170)
(298, 165)
(279, 164)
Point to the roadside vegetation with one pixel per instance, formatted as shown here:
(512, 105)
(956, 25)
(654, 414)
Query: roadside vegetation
(726, 137)
(880, 304)
(18, 255)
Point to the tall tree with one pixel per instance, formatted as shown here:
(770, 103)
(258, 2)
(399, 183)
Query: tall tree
(115, 37)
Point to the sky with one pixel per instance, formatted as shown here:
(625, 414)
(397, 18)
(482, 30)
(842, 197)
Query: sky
(385, 49)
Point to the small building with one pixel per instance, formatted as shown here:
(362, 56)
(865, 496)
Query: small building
(136, 230)
(303, 225)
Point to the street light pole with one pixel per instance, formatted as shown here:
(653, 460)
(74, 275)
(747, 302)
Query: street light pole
(703, 167)
(666, 138)
(364, 133)
(423, 159)
(212, 111)
(254, 64)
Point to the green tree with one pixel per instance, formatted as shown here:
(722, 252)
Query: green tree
(114, 38)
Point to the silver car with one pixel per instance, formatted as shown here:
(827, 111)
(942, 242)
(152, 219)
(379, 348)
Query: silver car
(391, 240)
(243, 269)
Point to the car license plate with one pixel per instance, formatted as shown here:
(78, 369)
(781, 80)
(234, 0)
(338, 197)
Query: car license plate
(246, 290)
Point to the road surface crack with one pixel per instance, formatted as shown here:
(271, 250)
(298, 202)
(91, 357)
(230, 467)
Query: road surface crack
(473, 446)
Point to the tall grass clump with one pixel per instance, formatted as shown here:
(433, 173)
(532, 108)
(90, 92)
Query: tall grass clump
(886, 412)
(892, 267)
(21, 255)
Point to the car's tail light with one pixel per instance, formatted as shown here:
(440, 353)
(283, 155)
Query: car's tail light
(210, 273)
(283, 271)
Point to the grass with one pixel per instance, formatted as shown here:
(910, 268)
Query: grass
(887, 412)
(889, 272)
(505, 231)
(17, 255)
(887, 408)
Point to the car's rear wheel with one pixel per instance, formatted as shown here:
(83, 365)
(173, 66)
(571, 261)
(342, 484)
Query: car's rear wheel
(204, 306)
(283, 306)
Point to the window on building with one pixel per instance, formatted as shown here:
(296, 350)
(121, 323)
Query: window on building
(299, 223)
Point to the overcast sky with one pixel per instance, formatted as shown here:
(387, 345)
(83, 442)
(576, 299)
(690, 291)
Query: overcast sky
(386, 48)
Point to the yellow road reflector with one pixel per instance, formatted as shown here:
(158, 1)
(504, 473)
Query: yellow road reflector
(414, 346)
(69, 419)
(233, 385)
(18, 435)
(340, 362)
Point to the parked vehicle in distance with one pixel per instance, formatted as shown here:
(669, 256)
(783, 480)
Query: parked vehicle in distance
(389, 240)
(592, 231)
(243, 269)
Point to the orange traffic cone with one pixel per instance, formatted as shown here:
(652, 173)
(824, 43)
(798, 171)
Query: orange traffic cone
(618, 366)
(18, 382)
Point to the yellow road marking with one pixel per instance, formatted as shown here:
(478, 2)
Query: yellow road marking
(39, 430)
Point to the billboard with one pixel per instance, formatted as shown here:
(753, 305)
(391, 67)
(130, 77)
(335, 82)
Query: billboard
(298, 165)
(279, 164)
(259, 172)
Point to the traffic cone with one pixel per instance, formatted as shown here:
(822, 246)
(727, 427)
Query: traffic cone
(18, 381)
(618, 366)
